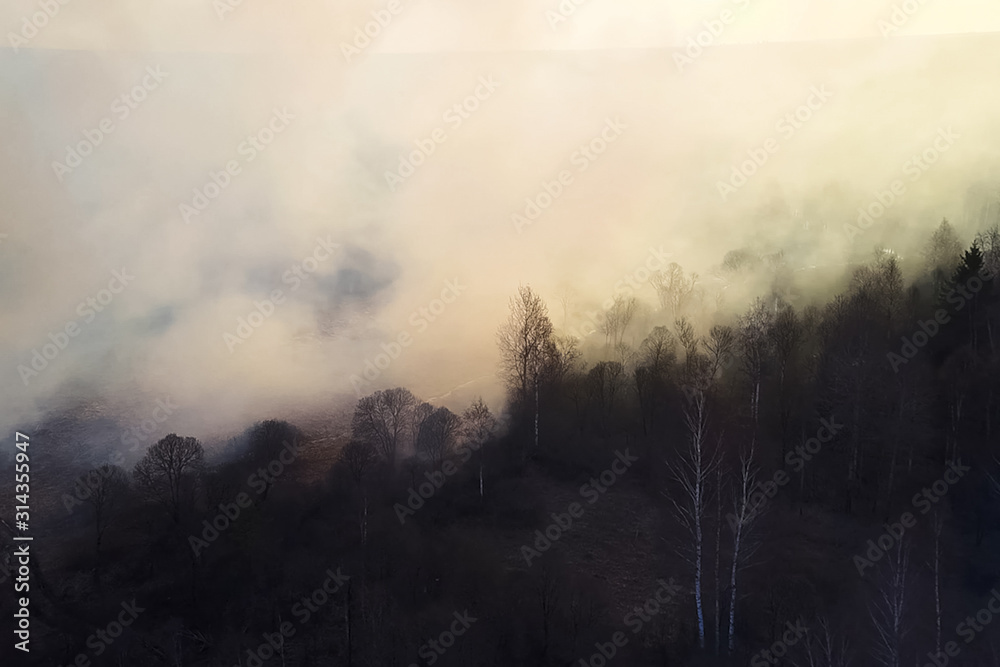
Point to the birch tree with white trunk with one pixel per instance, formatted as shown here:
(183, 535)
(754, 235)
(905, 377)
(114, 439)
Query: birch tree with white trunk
(692, 473)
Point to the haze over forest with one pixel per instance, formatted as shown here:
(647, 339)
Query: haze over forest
(557, 330)
(324, 176)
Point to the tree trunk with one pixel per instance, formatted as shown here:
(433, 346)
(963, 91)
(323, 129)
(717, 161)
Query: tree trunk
(718, 550)
(737, 539)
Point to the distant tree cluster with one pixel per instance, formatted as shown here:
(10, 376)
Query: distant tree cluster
(792, 478)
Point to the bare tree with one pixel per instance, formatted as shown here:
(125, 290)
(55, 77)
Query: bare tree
(937, 527)
(479, 426)
(673, 289)
(786, 334)
(617, 319)
(437, 434)
(420, 413)
(717, 588)
(566, 296)
(719, 347)
(382, 418)
(692, 472)
(888, 608)
(359, 456)
(265, 442)
(659, 350)
(604, 383)
(942, 254)
(163, 472)
(753, 336)
(742, 522)
(822, 647)
(109, 483)
(267, 438)
(560, 357)
(657, 356)
(523, 340)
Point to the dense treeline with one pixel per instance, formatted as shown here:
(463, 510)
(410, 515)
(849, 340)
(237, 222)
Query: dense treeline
(797, 485)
